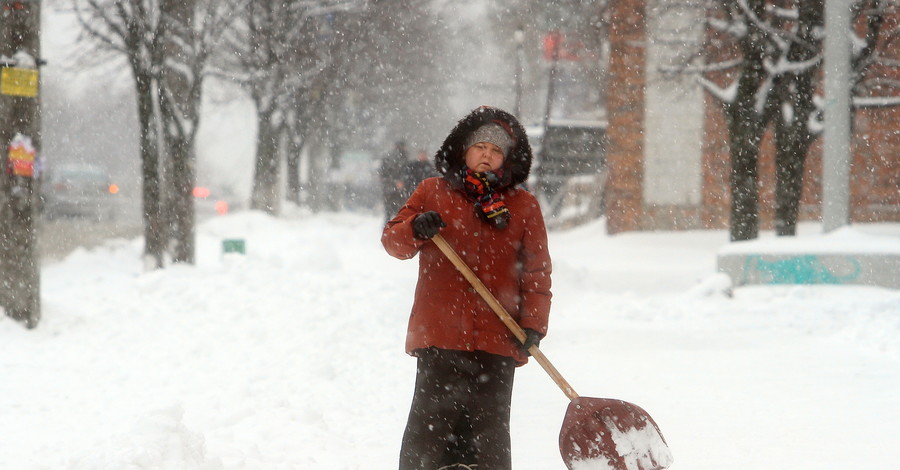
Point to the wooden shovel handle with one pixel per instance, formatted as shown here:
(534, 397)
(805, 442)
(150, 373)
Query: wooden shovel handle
(501, 312)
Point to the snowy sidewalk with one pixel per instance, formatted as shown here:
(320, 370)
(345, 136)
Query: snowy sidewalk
(291, 357)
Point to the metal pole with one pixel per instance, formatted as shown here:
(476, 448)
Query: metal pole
(520, 39)
(836, 155)
(551, 79)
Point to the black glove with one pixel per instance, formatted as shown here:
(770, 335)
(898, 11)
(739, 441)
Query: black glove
(427, 225)
(532, 338)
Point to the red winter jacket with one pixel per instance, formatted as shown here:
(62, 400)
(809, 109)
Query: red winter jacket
(513, 263)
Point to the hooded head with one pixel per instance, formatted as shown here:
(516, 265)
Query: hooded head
(493, 133)
(486, 124)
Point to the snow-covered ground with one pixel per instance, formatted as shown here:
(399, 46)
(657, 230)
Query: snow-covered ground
(291, 357)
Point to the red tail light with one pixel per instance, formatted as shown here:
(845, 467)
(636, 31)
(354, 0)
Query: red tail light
(221, 207)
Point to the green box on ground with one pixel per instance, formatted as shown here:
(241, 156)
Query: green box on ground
(234, 245)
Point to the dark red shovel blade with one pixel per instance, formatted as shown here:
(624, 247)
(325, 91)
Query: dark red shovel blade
(603, 433)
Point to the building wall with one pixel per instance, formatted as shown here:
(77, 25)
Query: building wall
(874, 171)
(625, 108)
(875, 188)
(668, 148)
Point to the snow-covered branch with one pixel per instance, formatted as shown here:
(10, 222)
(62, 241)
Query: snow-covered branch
(737, 29)
(92, 17)
(726, 95)
(782, 38)
(701, 68)
(876, 101)
(785, 66)
(782, 12)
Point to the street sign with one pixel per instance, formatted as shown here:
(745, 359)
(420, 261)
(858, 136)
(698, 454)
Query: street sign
(19, 82)
(234, 245)
(21, 156)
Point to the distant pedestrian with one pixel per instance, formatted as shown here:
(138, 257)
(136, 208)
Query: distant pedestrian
(419, 169)
(392, 173)
(466, 356)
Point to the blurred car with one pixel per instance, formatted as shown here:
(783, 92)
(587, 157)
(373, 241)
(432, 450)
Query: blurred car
(73, 190)
(210, 203)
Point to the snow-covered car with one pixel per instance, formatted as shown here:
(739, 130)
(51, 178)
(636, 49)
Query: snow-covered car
(75, 190)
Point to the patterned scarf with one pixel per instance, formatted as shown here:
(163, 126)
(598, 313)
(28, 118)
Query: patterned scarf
(482, 188)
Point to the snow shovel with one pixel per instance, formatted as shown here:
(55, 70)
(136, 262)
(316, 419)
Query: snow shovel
(597, 433)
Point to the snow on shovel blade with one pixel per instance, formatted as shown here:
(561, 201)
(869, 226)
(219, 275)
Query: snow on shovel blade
(609, 434)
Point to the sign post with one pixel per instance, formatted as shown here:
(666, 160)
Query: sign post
(21, 139)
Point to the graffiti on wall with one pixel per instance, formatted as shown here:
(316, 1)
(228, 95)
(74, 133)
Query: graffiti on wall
(804, 269)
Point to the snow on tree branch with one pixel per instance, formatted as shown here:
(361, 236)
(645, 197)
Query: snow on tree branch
(726, 95)
(876, 101)
(701, 68)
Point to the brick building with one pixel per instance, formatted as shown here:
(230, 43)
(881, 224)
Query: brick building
(668, 156)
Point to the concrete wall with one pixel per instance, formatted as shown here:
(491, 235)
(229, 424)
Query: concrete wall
(809, 268)
(845, 256)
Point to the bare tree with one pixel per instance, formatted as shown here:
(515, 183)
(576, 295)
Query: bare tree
(748, 106)
(132, 28)
(317, 94)
(387, 79)
(332, 75)
(191, 30)
(259, 45)
(795, 93)
(269, 54)
(166, 43)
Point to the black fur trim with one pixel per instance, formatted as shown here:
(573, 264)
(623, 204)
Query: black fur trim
(449, 158)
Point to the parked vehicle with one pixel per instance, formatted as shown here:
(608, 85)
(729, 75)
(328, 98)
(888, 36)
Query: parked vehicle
(210, 203)
(570, 174)
(73, 190)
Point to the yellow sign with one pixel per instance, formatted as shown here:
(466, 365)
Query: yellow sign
(19, 82)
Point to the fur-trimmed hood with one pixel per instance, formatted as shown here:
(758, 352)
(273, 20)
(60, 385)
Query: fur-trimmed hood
(449, 159)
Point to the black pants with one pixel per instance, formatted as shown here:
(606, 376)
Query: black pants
(460, 411)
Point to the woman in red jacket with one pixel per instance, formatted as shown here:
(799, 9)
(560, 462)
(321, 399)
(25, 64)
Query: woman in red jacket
(466, 356)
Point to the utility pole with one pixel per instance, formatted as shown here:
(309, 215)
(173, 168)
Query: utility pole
(554, 37)
(19, 147)
(519, 37)
(836, 152)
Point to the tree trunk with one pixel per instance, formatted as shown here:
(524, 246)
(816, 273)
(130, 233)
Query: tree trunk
(792, 142)
(182, 216)
(265, 179)
(746, 124)
(19, 116)
(294, 151)
(317, 189)
(790, 154)
(180, 105)
(744, 149)
(154, 228)
(793, 136)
